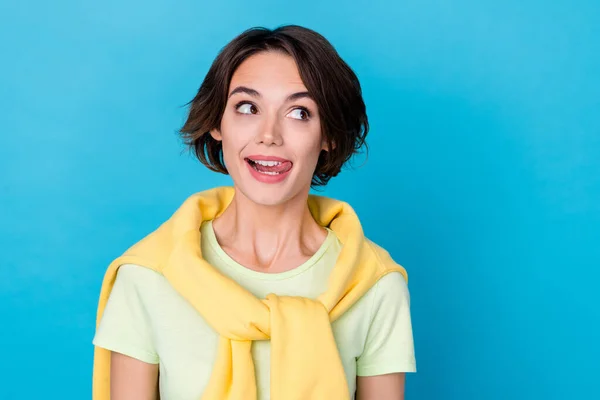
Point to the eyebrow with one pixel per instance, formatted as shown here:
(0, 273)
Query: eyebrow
(254, 93)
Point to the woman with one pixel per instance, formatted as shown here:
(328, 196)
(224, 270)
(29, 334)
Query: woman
(261, 290)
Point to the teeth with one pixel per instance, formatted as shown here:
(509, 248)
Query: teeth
(265, 172)
(267, 163)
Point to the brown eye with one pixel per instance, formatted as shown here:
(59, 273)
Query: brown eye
(246, 108)
(299, 113)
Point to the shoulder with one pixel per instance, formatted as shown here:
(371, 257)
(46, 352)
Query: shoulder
(386, 263)
(138, 286)
(392, 281)
(392, 289)
(139, 278)
(387, 298)
(392, 286)
(137, 273)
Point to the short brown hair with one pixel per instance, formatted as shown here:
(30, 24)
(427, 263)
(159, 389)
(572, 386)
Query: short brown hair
(330, 81)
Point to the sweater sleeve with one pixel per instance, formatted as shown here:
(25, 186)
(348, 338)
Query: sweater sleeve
(125, 326)
(389, 344)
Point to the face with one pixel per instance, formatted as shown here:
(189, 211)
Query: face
(270, 130)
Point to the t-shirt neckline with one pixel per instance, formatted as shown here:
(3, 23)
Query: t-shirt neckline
(208, 232)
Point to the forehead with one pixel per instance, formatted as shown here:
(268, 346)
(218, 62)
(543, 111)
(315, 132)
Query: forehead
(268, 71)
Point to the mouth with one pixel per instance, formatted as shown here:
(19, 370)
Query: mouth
(271, 166)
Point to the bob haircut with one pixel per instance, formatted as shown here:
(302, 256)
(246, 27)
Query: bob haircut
(329, 80)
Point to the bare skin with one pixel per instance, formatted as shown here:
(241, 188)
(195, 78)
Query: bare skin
(380, 387)
(274, 241)
(268, 227)
(132, 379)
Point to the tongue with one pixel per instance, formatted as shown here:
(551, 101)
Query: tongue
(283, 167)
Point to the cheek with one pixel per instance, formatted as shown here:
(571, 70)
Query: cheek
(306, 144)
(316, 140)
(236, 133)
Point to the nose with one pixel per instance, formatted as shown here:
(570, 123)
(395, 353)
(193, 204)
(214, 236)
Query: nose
(270, 133)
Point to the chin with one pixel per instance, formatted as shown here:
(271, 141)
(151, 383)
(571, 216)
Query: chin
(268, 201)
(267, 195)
(270, 194)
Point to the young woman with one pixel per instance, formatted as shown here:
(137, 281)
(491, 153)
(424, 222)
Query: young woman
(261, 290)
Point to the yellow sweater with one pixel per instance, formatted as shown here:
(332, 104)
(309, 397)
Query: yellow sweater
(305, 363)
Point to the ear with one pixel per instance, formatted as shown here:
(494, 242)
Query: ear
(216, 134)
(325, 145)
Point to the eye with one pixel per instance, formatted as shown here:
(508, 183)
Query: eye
(246, 108)
(300, 113)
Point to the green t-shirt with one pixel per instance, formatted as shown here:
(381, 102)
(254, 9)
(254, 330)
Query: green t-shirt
(145, 318)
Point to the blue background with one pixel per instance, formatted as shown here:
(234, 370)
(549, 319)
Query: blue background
(483, 178)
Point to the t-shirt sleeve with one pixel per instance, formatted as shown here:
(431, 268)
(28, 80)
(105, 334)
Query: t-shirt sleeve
(125, 325)
(389, 344)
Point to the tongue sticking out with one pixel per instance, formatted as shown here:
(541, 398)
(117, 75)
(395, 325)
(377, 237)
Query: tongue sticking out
(279, 168)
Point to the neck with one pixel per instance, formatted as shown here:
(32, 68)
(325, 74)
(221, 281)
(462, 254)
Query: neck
(269, 237)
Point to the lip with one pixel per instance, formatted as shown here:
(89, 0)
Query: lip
(264, 178)
(267, 158)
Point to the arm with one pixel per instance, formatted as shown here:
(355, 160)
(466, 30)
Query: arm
(132, 379)
(389, 350)
(126, 331)
(380, 387)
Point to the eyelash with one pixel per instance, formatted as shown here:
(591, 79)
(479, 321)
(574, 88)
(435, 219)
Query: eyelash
(308, 114)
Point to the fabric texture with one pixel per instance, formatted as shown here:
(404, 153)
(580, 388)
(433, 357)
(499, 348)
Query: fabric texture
(305, 363)
(145, 318)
